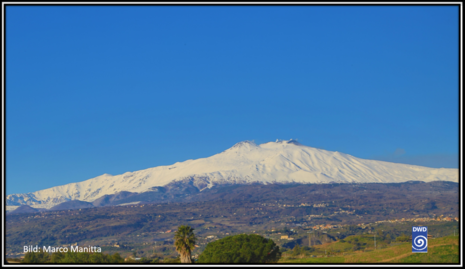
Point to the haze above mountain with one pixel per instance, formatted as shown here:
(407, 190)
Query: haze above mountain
(273, 162)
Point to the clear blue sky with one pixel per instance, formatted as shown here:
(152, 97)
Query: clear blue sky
(111, 89)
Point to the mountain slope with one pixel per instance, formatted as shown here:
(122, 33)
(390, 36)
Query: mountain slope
(245, 162)
(24, 209)
(74, 204)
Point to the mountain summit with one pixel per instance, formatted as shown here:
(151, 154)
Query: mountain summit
(282, 161)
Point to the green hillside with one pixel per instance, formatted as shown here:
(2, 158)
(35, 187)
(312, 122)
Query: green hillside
(440, 250)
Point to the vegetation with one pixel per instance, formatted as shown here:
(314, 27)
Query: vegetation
(298, 251)
(403, 238)
(253, 249)
(221, 211)
(175, 260)
(440, 254)
(440, 250)
(241, 248)
(184, 240)
(71, 257)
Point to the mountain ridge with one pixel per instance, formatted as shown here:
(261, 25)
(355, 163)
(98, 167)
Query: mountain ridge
(282, 161)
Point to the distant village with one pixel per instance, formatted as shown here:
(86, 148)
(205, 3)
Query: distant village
(205, 239)
(364, 225)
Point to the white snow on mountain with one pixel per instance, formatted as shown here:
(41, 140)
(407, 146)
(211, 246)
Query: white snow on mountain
(274, 162)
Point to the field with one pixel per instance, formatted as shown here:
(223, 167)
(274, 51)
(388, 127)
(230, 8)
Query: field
(440, 250)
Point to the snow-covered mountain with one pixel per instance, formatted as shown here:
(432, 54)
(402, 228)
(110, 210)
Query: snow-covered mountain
(274, 162)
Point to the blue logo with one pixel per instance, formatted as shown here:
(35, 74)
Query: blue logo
(419, 239)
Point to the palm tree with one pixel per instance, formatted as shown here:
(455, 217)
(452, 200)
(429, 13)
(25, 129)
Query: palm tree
(184, 241)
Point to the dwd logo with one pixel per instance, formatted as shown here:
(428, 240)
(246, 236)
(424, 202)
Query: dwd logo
(419, 239)
(420, 229)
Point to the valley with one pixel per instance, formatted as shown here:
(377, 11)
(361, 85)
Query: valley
(288, 209)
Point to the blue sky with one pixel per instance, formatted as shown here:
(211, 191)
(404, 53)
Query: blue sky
(110, 89)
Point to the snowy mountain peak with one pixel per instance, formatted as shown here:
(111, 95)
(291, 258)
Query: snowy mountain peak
(281, 143)
(282, 161)
(244, 145)
(291, 141)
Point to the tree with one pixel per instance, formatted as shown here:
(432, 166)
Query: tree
(184, 241)
(286, 231)
(36, 257)
(306, 249)
(57, 257)
(241, 248)
(388, 239)
(403, 238)
(352, 229)
(116, 258)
